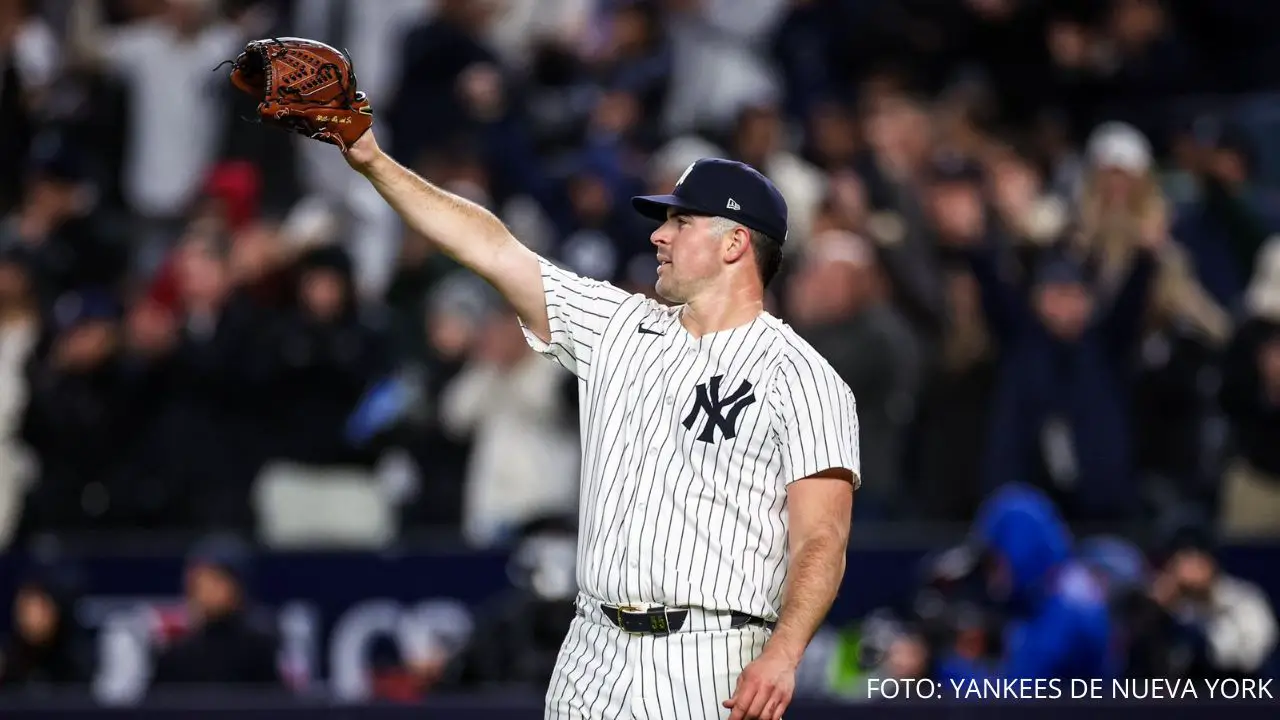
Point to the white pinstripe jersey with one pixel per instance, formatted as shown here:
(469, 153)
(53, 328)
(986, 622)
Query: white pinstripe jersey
(688, 445)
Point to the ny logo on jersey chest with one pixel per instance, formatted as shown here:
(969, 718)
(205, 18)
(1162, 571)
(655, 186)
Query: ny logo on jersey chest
(707, 401)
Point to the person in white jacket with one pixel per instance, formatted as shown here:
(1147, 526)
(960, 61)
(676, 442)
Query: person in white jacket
(524, 459)
(1233, 615)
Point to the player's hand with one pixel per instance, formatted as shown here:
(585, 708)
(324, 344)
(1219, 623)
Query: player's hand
(765, 688)
(363, 152)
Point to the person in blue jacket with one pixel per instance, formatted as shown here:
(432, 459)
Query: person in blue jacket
(1059, 623)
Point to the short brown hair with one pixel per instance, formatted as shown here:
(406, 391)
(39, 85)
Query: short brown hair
(768, 252)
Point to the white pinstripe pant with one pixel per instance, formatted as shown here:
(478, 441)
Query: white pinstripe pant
(603, 673)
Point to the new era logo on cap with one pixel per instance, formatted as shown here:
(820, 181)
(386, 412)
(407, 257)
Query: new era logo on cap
(714, 186)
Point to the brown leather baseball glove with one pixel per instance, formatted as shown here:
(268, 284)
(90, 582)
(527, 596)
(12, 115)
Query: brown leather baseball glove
(305, 87)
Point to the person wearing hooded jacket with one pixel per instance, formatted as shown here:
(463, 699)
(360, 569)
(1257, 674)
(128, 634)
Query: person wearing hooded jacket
(329, 352)
(1059, 623)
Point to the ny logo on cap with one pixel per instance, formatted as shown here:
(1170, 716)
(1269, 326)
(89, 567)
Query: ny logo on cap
(685, 174)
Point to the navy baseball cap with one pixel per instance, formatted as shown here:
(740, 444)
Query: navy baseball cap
(723, 188)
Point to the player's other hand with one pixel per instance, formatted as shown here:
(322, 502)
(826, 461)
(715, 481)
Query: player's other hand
(363, 152)
(765, 688)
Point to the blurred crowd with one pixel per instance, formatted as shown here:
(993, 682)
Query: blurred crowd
(1025, 597)
(1035, 239)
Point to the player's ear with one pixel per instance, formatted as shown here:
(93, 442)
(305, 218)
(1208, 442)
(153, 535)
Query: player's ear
(737, 244)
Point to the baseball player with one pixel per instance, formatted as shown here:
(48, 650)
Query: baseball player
(719, 450)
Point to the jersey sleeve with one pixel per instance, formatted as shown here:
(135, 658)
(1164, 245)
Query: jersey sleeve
(815, 418)
(579, 310)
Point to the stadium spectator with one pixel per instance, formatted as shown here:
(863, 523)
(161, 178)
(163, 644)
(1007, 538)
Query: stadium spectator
(327, 351)
(838, 303)
(229, 642)
(1226, 625)
(509, 403)
(85, 421)
(1250, 396)
(74, 239)
(953, 416)
(760, 139)
(49, 651)
(1059, 620)
(1062, 413)
(1224, 221)
(30, 62)
(205, 348)
(430, 110)
(164, 59)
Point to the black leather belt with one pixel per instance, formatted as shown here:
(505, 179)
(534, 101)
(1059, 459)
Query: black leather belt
(665, 620)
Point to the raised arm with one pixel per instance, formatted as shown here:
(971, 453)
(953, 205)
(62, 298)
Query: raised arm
(1003, 305)
(468, 233)
(1123, 320)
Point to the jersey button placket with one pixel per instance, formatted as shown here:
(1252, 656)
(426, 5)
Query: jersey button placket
(646, 453)
(635, 519)
(672, 347)
(634, 460)
(636, 534)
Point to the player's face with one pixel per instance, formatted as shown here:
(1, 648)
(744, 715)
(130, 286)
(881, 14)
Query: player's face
(690, 254)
